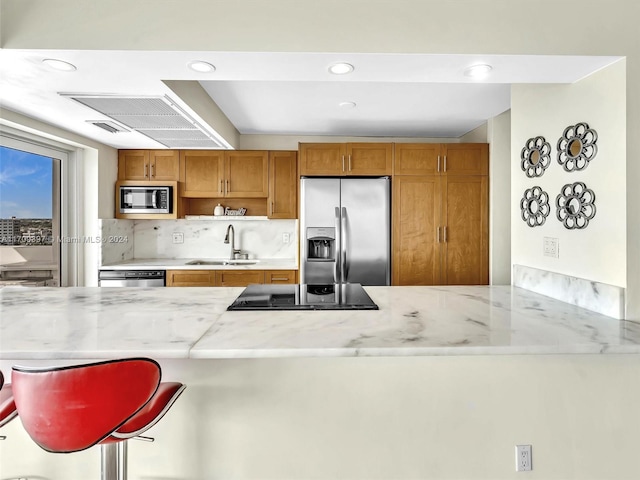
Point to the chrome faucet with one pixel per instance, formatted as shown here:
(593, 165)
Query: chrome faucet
(232, 242)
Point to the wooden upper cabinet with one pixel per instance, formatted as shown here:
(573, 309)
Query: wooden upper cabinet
(164, 165)
(416, 230)
(417, 159)
(465, 158)
(322, 158)
(133, 165)
(369, 159)
(441, 159)
(465, 242)
(161, 165)
(218, 173)
(202, 173)
(346, 159)
(283, 185)
(246, 174)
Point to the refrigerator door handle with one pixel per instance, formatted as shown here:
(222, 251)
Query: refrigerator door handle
(343, 243)
(336, 265)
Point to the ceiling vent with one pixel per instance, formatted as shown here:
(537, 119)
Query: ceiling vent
(110, 127)
(156, 117)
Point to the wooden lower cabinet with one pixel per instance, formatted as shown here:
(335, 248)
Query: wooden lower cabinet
(440, 230)
(238, 278)
(280, 276)
(227, 278)
(191, 278)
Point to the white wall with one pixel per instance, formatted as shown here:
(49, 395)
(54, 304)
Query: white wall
(598, 252)
(477, 135)
(499, 138)
(290, 142)
(378, 419)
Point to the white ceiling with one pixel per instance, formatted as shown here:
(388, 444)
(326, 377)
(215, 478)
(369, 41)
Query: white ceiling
(403, 95)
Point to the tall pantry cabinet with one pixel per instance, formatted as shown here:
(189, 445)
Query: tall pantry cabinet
(441, 214)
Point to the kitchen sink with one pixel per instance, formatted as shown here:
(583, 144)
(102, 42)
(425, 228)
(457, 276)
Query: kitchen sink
(222, 262)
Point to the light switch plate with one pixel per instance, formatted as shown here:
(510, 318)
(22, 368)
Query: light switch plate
(285, 238)
(178, 237)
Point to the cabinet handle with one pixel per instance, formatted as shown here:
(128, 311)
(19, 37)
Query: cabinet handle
(445, 234)
(271, 208)
(438, 235)
(151, 174)
(349, 162)
(145, 170)
(445, 164)
(279, 279)
(343, 163)
(227, 188)
(438, 164)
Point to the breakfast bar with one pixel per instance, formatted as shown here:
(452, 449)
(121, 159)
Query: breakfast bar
(345, 394)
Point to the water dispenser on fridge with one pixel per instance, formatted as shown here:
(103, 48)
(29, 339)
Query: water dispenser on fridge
(320, 253)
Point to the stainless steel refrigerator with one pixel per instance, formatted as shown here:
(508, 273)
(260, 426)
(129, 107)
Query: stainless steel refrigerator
(345, 230)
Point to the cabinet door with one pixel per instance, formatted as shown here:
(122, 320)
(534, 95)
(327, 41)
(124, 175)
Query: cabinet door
(417, 159)
(369, 159)
(280, 276)
(247, 174)
(238, 278)
(283, 185)
(322, 158)
(190, 278)
(201, 172)
(465, 158)
(164, 165)
(416, 220)
(466, 217)
(133, 165)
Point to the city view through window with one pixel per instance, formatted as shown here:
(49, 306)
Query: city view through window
(26, 193)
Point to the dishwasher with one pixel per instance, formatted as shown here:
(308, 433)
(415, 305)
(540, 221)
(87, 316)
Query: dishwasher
(131, 278)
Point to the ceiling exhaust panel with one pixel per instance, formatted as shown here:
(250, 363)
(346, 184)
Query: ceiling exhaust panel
(156, 117)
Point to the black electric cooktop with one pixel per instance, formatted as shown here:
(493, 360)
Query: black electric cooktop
(346, 296)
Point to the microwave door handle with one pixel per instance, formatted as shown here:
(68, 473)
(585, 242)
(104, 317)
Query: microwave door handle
(154, 198)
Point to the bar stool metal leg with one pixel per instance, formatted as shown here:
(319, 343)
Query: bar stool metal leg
(113, 459)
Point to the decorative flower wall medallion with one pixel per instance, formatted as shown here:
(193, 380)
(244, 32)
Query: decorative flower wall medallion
(577, 147)
(535, 206)
(535, 156)
(576, 205)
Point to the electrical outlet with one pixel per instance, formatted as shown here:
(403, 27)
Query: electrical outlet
(178, 238)
(285, 238)
(551, 247)
(523, 458)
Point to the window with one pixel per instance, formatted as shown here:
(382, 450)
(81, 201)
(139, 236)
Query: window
(29, 218)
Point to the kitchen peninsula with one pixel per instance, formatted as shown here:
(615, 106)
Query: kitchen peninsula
(346, 394)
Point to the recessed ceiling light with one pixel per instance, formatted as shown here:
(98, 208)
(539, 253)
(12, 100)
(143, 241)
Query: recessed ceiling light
(341, 68)
(59, 65)
(201, 67)
(478, 71)
(347, 104)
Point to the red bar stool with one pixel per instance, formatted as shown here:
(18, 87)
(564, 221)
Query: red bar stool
(7, 406)
(72, 408)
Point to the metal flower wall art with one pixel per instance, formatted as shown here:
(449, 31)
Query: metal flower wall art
(535, 206)
(535, 156)
(576, 205)
(577, 147)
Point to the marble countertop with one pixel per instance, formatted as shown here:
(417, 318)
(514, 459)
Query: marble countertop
(70, 323)
(181, 264)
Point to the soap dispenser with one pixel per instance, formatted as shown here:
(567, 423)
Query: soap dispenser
(218, 211)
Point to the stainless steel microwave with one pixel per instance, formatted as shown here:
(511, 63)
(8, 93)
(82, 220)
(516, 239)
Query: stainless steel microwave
(150, 199)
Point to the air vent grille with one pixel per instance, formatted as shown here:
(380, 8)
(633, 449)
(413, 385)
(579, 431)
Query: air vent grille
(158, 118)
(110, 127)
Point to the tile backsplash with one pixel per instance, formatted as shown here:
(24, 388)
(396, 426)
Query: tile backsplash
(201, 239)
